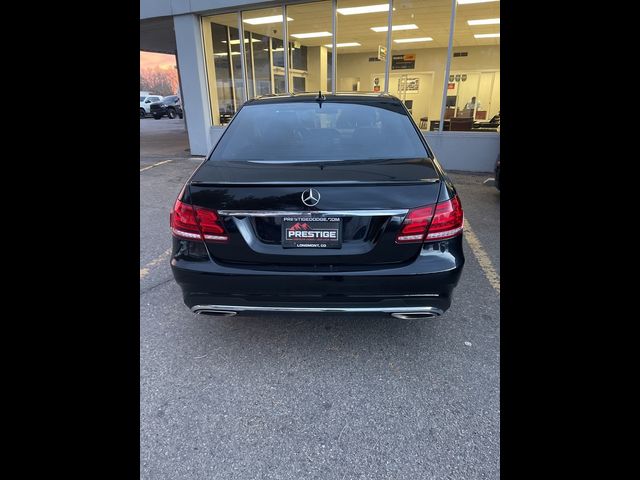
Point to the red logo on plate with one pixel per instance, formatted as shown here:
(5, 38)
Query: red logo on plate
(300, 226)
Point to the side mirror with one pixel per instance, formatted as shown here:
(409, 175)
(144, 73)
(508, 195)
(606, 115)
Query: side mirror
(147, 101)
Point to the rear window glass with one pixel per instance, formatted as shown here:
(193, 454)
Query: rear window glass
(306, 131)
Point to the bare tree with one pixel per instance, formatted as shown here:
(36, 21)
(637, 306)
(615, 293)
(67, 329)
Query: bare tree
(162, 82)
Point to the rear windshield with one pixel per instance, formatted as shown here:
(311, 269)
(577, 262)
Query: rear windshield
(308, 131)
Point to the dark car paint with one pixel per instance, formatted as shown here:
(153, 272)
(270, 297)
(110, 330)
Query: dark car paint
(319, 171)
(161, 108)
(379, 272)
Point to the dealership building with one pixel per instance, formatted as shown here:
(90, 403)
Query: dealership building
(440, 57)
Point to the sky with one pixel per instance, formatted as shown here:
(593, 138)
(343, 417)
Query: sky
(160, 61)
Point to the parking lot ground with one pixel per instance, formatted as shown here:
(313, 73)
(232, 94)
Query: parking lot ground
(162, 139)
(326, 397)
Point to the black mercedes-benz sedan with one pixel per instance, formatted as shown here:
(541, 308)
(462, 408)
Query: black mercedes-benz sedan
(319, 203)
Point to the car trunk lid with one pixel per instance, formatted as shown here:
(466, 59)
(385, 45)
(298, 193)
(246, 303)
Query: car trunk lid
(369, 199)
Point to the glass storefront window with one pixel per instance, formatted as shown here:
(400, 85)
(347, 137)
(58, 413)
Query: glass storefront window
(329, 70)
(266, 50)
(258, 64)
(358, 65)
(277, 46)
(419, 46)
(224, 68)
(309, 32)
(419, 42)
(249, 62)
(264, 58)
(279, 85)
(473, 87)
(236, 66)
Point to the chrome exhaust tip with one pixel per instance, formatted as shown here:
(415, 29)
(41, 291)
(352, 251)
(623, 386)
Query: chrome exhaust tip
(216, 313)
(417, 315)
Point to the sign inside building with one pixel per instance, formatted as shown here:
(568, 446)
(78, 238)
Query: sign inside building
(409, 85)
(403, 62)
(382, 53)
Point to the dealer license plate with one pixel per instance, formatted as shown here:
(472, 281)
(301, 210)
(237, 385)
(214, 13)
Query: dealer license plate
(311, 232)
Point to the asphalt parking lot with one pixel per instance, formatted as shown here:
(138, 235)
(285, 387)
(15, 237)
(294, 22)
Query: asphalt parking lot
(319, 397)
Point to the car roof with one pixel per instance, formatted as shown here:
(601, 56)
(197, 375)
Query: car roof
(346, 97)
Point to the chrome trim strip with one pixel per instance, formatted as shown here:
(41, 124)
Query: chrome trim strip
(238, 308)
(415, 316)
(300, 213)
(422, 295)
(330, 183)
(219, 313)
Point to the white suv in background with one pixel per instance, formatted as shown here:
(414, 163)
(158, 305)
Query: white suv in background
(146, 99)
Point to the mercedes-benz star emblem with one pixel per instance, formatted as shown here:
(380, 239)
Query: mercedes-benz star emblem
(311, 197)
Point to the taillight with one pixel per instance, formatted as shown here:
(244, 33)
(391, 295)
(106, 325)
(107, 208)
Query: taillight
(447, 221)
(196, 223)
(415, 225)
(434, 222)
(210, 225)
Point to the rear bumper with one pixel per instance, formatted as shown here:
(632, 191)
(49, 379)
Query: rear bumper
(426, 282)
(405, 313)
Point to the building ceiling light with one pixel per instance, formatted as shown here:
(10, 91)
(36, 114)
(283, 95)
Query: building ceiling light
(383, 7)
(468, 2)
(486, 21)
(486, 35)
(263, 20)
(311, 35)
(395, 28)
(411, 40)
(224, 54)
(348, 44)
(237, 41)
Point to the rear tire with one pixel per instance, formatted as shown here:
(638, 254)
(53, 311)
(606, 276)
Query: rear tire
(142, 113)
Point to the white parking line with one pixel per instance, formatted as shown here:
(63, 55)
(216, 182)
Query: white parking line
(155, 165)
(144, 271)
(482, 257)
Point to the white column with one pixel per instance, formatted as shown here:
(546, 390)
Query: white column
(193, 78)
(447, 69)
